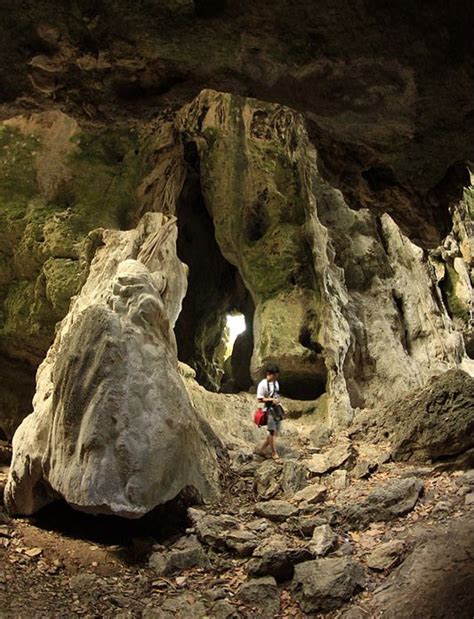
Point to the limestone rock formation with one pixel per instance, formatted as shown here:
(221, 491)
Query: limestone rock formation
(113, 430)
(431, 423)
(58, 182)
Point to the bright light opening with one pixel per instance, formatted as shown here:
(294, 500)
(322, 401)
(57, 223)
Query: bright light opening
(235, 325)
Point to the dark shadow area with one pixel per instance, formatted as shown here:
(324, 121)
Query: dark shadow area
(135, 537)
(215, 289)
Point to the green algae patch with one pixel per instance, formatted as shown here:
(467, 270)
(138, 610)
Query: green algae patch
(107, 168)
(456, 307)
(54, 190)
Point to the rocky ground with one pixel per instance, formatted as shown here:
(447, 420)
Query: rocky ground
(341, 532)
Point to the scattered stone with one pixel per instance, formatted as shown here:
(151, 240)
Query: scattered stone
(5, 531)
(184, 606)
(467, 478)
(212, 530)
(390, 499)
(185, 554)
(330, 460)
(305, 525)
(322, 541)
(469, 498)
(318, 464)
(325, 584)
(223, 609)
(33, 552)
(338, 479)
(267, 479)
(363, 469)
(386, 555)
(261, 593)
(311, 494)
(276, 510)
(243, 542)
(277, 557)
(293, 477)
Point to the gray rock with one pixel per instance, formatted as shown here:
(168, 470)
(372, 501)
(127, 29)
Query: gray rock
(436, 579)
(185, 554)
(469, 498)
(242, 542)
(389, 499)
(184, 606)
(276, 510)
(277, 557)
(261, 593)
(325, 584)
(305, 524)
(223, 609)
(385, 555)
(293, 477)
(322, 541)
(338, 479)
(433, 422)
(332, 459)
(267, 479)
(212, 530)
(311, 494)
(113, 430)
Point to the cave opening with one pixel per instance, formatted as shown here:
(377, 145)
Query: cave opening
(214, 331)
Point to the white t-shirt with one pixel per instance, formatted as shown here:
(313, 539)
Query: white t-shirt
(268, 389)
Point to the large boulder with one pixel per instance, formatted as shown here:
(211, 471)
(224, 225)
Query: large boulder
(388, 500)
(434, 422)
(113, 429)
(325, 584)
(436, 580)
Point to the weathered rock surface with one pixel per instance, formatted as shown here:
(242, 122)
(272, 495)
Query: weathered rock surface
(113, 430)
(313, 493)
(325, 584)
(386, 555)
(277, 557)
(185, 554)
(435, 580)
(434, 422)
(330, 459)
(275, 509)
(58, 181)
(388, 500)
(262, 594)
(322, 541)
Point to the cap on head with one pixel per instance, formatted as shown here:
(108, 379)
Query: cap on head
(272, 369)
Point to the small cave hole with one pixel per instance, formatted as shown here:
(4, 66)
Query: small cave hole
(236, 325)
(214, 331)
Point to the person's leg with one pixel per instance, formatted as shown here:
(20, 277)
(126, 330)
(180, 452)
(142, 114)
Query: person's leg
(264, 446)
(273, 436)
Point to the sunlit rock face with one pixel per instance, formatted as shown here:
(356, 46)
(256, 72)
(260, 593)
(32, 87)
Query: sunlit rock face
(345, 303)
(341, 299)
(113, 430)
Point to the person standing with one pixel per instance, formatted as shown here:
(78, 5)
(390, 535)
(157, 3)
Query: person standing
(268, 394)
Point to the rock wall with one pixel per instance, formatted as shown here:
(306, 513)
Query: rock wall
(57, 183)
(113, 430)
(340, 298)
(344, 301)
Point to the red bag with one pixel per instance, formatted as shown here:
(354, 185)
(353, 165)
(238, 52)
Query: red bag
(260, 417)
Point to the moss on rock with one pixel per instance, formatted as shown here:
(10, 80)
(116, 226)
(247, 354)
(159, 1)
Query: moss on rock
(57, 183)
